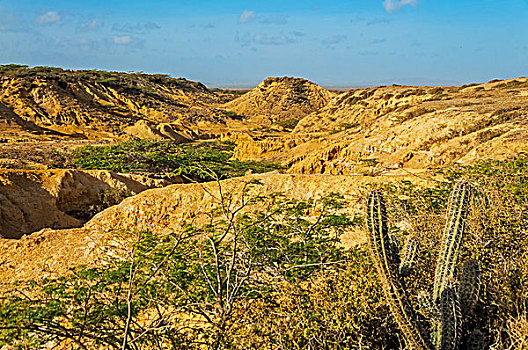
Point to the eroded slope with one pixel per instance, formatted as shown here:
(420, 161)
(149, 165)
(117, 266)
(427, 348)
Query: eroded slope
(32, 200)
(50, 252)
(280, 99)
(410, 127)
(50, 102)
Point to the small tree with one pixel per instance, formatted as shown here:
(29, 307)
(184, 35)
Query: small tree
(182, 289)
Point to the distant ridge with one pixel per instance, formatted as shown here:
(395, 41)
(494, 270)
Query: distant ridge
(281, 98)
(48, 101)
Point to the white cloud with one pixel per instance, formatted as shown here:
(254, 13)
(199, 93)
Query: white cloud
(395, 5)
(264, 39)
(93, 24)
(122, 40)
(335, 39)
(48, 18)
(248, 39)
(246, 16)
(275, 19)
(138, 28)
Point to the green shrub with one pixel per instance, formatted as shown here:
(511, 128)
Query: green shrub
(349, 125)
(267, 273)
(288, 123)
(202, 161)
(273, 276)
(12, 67)
(106, 80)
(232, 115)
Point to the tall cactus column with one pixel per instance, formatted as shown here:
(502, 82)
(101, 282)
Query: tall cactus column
(448, 330)
(450, 300)
(454, 230)
(386, 258)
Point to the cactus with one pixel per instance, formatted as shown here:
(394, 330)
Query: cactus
(449, 331)
(476, 340)
(450, 301)
(410, 252)
(387, 265)
(454, 230)
(428, 307)
(468, 286)
(394, 248)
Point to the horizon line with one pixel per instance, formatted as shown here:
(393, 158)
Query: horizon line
(402, 81)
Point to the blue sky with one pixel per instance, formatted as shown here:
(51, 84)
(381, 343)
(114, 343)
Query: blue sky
(239, 43)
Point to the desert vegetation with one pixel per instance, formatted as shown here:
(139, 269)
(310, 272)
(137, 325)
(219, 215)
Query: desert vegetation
(271, 272)
(194, 162)
(236, 257)
(451, 300)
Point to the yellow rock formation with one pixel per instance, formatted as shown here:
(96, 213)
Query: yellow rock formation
(32, 200)
(50, 252)
(373, 131)
(278, 99)
(392, 127)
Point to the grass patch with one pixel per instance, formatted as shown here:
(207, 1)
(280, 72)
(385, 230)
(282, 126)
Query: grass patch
(231, 92)
(232, 115)
(106, 80)
(289, 124)
(349, 125)
(202, 161)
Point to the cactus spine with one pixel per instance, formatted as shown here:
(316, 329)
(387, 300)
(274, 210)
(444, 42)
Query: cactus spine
(450, 301)
(449, 325)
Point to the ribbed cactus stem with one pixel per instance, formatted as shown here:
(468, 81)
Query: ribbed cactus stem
(428, 307)
(387, 266)
(379, 232)
(454, 230)
(469, 286)
(394, 248)
(442, 308)
(410, 253)
(449, 330)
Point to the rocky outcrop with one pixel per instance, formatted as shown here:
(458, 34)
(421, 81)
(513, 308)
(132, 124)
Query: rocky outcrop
(363, 130)
(149, 131)
(159, 210)
(386, 128)
(32, 200)
(280, 99)
(49, 252)
(267, 148)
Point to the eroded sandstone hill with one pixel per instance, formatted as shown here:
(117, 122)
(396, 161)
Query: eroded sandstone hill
(281, 99)
(48, 103)
(45, 111)
(49, 253)
(32, 200)
(403, 127)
